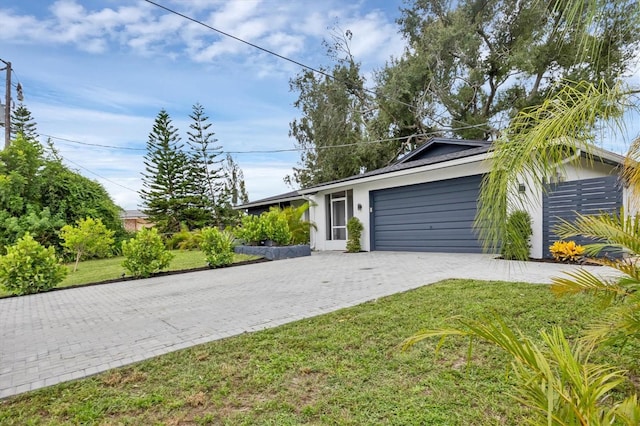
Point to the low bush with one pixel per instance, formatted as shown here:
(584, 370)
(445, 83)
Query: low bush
(276, 227)
(28, 267)
(145, 253)
(516, 241)
(184, 239)
(250, 230)
(271, 225)
(354, 230)
(217, 246)
(566, 251)
(89, 238)
(300, 228)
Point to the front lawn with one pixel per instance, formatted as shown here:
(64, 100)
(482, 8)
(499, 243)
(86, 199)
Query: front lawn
(340, 368)
(92, 271)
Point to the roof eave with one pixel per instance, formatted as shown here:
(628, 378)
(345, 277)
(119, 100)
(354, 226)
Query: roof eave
(403, 172)
(268, 202)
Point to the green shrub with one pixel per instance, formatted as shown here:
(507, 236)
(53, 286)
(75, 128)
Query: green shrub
(276, 227)
(217, 246)
(250, 230)
(89, 238)
(145, 253)
(354, 230)
(300, 229)
(28, 267)
(518, 232)
(184, 239)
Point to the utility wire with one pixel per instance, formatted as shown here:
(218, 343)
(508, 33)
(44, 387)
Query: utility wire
(93, 144)
(275, 151)
(270, 52)
(100, 176)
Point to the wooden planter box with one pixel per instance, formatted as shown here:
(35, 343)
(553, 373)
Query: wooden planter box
(275, 253)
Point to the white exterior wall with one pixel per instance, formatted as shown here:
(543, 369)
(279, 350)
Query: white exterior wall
(361, 189)
(531, 201)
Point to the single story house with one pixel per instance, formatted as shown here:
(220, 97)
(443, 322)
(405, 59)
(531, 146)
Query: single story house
(135, 220)
(257, 207)
(427, 201)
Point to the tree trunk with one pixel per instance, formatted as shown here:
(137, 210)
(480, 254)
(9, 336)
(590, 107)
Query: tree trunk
(78, 256)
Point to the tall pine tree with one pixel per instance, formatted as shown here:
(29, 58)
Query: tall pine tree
(23, 123)
(206, 174)
(166, 192)
(234, 194)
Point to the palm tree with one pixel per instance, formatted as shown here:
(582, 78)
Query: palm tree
(556, 378)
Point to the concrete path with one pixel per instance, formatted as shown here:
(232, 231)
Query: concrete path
(63, 335)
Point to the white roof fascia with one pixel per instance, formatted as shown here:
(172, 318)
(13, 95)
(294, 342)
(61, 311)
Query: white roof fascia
(404, 172)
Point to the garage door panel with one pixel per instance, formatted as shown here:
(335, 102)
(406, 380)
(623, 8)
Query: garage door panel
(435, 216)
(446, 246)
(440, 192)
(462, 223)
(420, 235)
(434, 213)
(426, 200)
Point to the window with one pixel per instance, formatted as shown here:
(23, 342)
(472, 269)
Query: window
(339, 210)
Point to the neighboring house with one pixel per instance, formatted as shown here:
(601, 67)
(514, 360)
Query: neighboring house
(292, 198)
(135, 220)
(427, 201)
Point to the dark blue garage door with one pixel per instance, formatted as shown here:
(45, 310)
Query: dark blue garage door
(430, 217)
(588, 196)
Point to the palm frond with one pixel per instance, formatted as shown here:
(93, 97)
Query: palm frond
(611, 229)
(583, 281)
(537, 145)
(631, 170)
(618, 323)
(427, 334)
(555, 380)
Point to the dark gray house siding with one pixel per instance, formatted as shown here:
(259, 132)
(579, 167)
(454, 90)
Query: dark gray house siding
(588, 196)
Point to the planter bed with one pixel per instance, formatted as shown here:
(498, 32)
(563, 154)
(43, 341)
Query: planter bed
(274, 252)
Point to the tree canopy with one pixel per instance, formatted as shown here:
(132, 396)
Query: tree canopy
(39, 195)
(468, 68)
(189, 185)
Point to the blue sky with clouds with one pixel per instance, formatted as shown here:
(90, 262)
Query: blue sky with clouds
(99, 72)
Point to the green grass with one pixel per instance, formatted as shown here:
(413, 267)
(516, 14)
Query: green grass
(92, 271)
(341, 368)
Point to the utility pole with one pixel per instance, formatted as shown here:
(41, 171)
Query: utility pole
(7, 106)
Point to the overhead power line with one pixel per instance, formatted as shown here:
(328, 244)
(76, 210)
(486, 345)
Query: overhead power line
(270, 52)
(274, 151)
(127, 148)
(100, 176)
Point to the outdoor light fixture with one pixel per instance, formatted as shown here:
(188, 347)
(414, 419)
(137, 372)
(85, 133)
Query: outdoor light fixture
(521, 188)
(359, 207)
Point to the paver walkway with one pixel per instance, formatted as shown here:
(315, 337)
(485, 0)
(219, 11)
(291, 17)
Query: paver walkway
(63, 335)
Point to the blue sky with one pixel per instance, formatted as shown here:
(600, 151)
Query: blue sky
(99, 71)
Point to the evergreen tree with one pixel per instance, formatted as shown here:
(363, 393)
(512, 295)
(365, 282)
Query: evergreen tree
(205, 173)
(234, 193)
(23, 123)
(165, 181)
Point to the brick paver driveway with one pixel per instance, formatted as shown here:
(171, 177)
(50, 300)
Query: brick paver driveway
(62, 335)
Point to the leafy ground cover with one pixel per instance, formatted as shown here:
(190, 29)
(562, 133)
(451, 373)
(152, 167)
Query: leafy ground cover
(341, 368)
(92, 271)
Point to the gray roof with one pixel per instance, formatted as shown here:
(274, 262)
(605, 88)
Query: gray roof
(281, 198)
(133, 214)
(410, 165)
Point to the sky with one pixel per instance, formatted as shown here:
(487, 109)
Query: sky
(99, 71)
